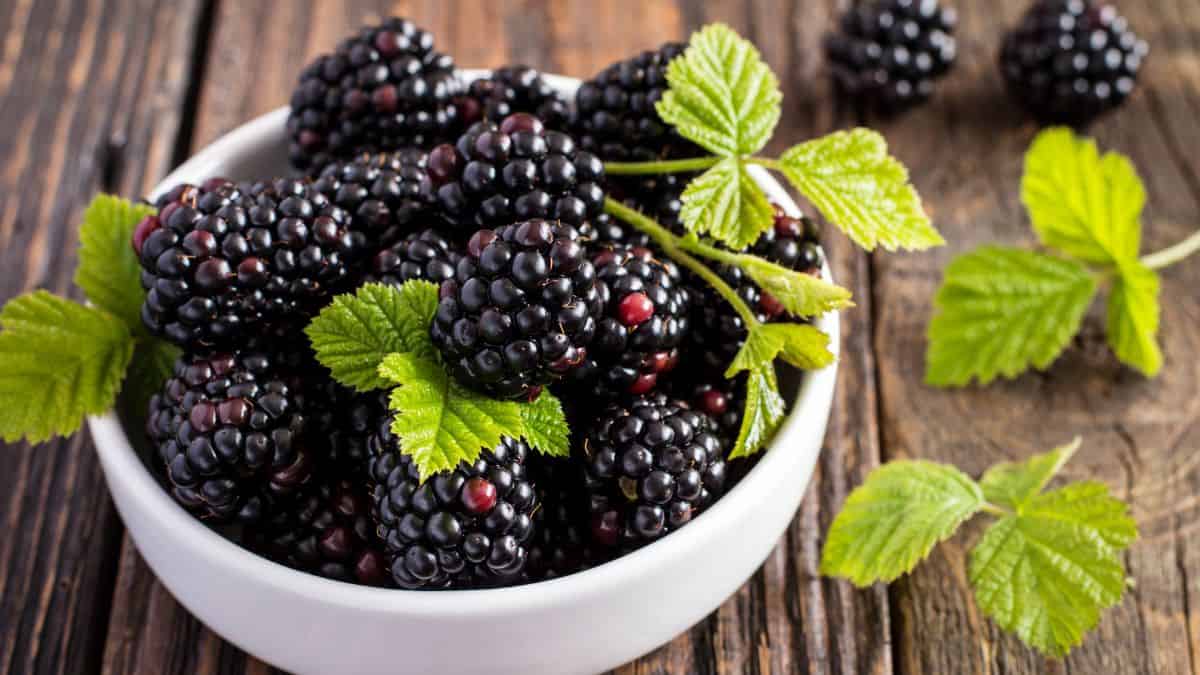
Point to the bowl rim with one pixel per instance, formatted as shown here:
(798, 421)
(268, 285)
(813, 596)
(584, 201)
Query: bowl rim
(123, 462)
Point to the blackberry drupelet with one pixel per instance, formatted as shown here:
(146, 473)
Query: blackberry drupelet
(561, 542)
(499, 174)
(1069, 61)
(520, 311)
(889, 52)
(650, 468)
(422, 255)
(382, 89)
(721, 399)
(223, 262)
(643, 323)
(466, 528)
(229, 430)
(388, 194)
(513, 89)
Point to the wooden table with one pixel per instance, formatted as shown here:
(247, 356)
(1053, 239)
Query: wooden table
(110, 95)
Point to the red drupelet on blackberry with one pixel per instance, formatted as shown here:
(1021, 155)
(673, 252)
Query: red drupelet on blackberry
(512, 89)
(466, 528)
(499, 174)
(520, 311)
(383, 89)
(229, 430)
(651, 468)
(387, 194)
(424, 255)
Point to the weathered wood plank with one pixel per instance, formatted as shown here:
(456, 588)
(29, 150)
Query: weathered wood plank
(81, 87)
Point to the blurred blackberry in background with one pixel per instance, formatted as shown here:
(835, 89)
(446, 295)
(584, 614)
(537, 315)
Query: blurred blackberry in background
(513, 89)
(423, 255)
(383, 89)
(1069, 61)
(889, 52)
(387, 194)
(340, 421)
(561, 542)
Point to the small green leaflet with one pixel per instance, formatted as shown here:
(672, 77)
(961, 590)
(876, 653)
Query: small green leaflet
(1133, 313)
(1000, 310)
(892, 521)
(544, 425)
(356, 331)
(59, 361)
(800, 344)
(1012, 484)
(108, 271)
(1047, 571)
(763, 413)
(1081, 203)
(800, 294)
(725, 203)
(857, 186)
(721, 95)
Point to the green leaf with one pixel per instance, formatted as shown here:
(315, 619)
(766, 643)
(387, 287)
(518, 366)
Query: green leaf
(1013, 484)
(1133, 313)
(800, 344)
(153, 362)
(893, 520)
(1081, 203)
(764, 412)
(1048, 571)
(355, 332)
(857, 186)
(545, 425)
(439, 422)
(721, 95)
(108, 271)
(59, 361)
(1000, 311)
(800, 294)
(727, 204)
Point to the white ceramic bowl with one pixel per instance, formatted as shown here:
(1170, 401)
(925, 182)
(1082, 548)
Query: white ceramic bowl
(583, 623)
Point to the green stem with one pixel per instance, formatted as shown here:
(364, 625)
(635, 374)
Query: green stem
(674, 246)
(998, 511)
(661, 166)
(1170, 256)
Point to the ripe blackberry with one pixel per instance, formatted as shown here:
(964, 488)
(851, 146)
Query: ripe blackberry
(1069, 61)
(229, 430)
(889, 52)
(466, 528)
(721, 399)
(561, 542)
(342, 420)
(499, 174)
(604, 231)
(520, 311)
(643, 323)
(650, 469)
(513, 89)
(326, 530)
(387, 194)
(382, 89)
(422, 255)
(224, 261)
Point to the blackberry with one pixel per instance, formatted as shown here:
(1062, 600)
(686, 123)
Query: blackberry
(889, 52)
(1069, 61)
(644, 321)
(650, 468)
(561, 542)
(722, 400)
(513, 89)
(342, 420)
(382, 89)
(520, 311)
(603, 231)
(423, 255)
(229, 430)
(466, 528)
(326, 530)
(387, 194)
(221, 262)
(498, 174)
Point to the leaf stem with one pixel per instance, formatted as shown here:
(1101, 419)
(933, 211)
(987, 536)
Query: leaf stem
(1173, 254)
(674, 246)
(998, 511)
(660, 166)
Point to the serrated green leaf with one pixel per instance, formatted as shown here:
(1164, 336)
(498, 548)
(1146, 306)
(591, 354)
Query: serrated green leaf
(59, 361)
(857, 186)
(721, 95)
(545, 425)
(725, 203)
(764, 412)
(108, 271)
(1001, 310)
(801, 294)
(1133, 314)
(1047, 572)
(151, 365)
(440, 423)
(355, 332)
(799, 344)
(1081, 203)
(893, 520)
(1013, 484)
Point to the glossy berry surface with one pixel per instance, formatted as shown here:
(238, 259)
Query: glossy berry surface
(512, 89)
(425, 255)
(388, 195)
